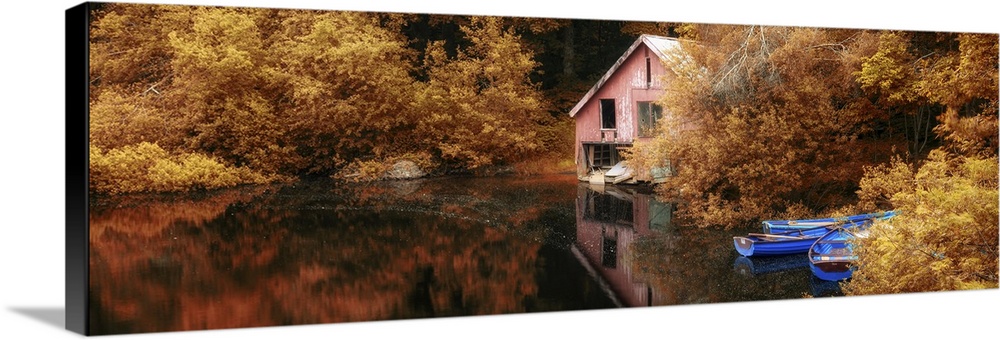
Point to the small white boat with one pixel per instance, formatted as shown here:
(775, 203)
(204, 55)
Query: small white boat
(619, 169)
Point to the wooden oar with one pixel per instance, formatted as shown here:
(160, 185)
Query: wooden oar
(810, 224)
(775, 236)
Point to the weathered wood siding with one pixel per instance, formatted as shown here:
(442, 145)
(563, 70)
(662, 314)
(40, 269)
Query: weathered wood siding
(626, 86)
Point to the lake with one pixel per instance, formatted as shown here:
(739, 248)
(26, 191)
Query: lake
(321, 251)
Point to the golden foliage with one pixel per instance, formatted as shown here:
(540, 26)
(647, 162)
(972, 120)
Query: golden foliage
(348, 84)
(946, 236)
(146, 167)
(295, 92)
(889, 70)
(966, 83)
(760, 119)
(767, 122)
(479, 108)
(118, 119)
(912, 74)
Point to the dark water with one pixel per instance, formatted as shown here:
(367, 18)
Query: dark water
(322, 252)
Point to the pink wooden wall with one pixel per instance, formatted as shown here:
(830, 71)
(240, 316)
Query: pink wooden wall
(627, 86)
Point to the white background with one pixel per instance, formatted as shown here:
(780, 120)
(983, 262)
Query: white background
(32, 224)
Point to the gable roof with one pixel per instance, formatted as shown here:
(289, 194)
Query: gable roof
(659, 45)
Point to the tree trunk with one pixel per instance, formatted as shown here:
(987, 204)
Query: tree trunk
(569, 70)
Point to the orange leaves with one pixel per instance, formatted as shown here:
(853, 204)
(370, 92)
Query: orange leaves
(296, 91)
(890, 70)
(947, 74)
(479, 107)
(350, 89)
(763, 120)
(946, 235)
(146, 167)
(953, 78)
(222, 49)
(966, 83)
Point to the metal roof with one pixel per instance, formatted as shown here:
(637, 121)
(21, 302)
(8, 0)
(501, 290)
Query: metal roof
(659, 45)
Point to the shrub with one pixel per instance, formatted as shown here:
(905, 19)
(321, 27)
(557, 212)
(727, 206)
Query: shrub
(945, 237)
(145, 167)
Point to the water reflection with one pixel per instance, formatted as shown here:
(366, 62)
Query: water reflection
(760, 265)
(320, 253)
(644, 257)
(609, 220)
(757, 266)
(325, 252)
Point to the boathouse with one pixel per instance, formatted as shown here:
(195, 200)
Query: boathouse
(620, 110)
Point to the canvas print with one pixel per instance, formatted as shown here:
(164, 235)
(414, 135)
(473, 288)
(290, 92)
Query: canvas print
(253, 167)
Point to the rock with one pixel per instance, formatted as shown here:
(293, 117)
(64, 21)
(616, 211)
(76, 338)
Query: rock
(404, 169)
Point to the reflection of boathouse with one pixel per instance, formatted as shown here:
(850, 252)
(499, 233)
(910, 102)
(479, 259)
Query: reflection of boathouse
(609, 220)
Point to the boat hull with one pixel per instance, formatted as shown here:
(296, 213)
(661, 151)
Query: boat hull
(779, 226)
(756, 246)
(831, 257)
(832, 271)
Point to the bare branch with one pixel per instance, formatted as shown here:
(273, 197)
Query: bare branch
(836, 47)
(153, 87)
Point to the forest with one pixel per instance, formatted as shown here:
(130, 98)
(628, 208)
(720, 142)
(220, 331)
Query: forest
(187, 98)
(762, 122)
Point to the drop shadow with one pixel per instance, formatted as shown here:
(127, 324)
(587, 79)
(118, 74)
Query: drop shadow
(53, 316)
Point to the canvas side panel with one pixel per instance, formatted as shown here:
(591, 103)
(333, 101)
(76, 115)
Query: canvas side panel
(77, 154)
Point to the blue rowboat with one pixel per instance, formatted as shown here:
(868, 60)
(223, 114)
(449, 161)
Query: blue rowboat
(862, 220)
(792, 242)
(824, 228)
(831, 257)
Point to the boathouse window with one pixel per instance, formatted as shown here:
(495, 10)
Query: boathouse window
(607, 113)
(649, 114)
(649, 75)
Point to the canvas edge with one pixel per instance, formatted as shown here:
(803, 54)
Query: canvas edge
(77, 38)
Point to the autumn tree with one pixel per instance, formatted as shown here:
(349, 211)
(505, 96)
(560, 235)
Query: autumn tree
(220, 75)
(130, 66)
(346, 89)
(479, 108)
(764, 122)
(927, 78)
(128, 45)
(965, 83)
(142, 119)
(946, 235)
